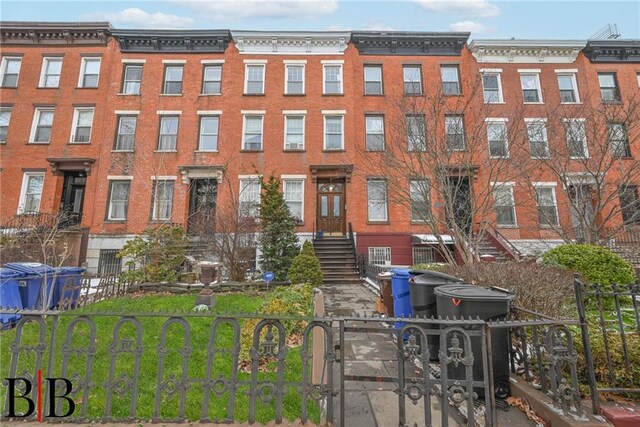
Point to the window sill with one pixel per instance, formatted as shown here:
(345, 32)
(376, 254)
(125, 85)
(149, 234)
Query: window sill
(288, 150)
(253, 94)
(210, 94)
(86, 87)
(369, 222)
(374, 151)
(623, 158)
(548, 227)
(495, 102)
(48, 87)
(540, 158)
(333, 94)
(373, 94)
(171, 94)
(571, 103)
(295, 94)
(115, 221)
(334, 150)
(38, 143)
(452, 95)
(498, 157)
(122, 151)
(533, 103)
(206, 151)
(165, 151)
(612, 102)
(299, 224)
(413, 94)
(79, 143)
(8, 87)
(251, 151)
(508, 227)
(128, 94)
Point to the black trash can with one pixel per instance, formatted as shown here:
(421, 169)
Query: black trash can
(473, 301)
(423, 301)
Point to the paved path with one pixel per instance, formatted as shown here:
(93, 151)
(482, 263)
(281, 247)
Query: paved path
(373, 354)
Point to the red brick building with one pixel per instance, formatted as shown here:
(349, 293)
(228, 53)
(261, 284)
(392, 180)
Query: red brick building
(128, 128)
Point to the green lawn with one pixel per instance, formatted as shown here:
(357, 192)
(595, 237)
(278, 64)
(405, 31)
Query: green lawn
(147, 375)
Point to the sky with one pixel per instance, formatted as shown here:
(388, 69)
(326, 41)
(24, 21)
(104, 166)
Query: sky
(483, 18)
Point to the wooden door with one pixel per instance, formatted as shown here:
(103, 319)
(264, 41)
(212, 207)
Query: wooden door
(331, 208)
(202, 206)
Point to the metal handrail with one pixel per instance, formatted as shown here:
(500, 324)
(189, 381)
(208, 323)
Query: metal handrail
(506, 244)
(353, 243)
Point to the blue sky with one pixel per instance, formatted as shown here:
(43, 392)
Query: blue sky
(484, 18)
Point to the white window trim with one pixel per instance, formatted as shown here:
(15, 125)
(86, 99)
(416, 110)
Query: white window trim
(585, 143)
(511, 185)
(551, 185)
(384, 132)
(201, 115)
(251, 178)
(133, 61)
(154, 185)
(364, 78)
(324, 76)
(294, 61)
(83, 66)
(536, 75)
(164, 177)
(74, 124)
(5, 64)
(332, 61)
(386, 213)
(209, 112)
(110, 179)
(244, 126)
(36, 118)
(168, 112)
(23, 190)
(174, 61)
(324, 132)
(126, 112)
(304, 129)
(496, 72)
(504, 121)
(286, 75)
(45, 61)
(386, 248)
(540, 120)
(571, 73)
(255, 61)
(212, 61)
(246, 74)
(295, 178)
(4, 110)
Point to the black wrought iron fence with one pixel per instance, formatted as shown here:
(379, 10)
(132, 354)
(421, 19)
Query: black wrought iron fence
(370, 271)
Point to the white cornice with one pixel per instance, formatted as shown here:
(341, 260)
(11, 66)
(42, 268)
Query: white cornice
(291, 42)
(526, 51)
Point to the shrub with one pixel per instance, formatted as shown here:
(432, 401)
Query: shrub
(307, 249)
(430, 267)
(306, 269)
(543, 289)
(594, 263)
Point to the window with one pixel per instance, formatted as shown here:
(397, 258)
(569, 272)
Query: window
(162, 199)
(454, 129)
(250, 197)
(254, 84)
(10, 71)
(31, 192)
(538, 143)
(208, 133)
(252, 139)
(497, 136)
(109, 262)
(51, 68)
(294, 197)
(504, 204)
(374, 130)
(126, 133)
(82, 124)
(377, 200)
(531, 91)
(547, 207)
(373, 80)
(492, 88)
(168, 138)
(333, 135)
(5, 118)
(618, 140)
(568, 88)
(173, 80)
(423, 255)
(608, 87)
(332, 79)
(89, 72)
(412, 76)
(132, 79)
(212, 80)
(629, 204)
(450, 80)
(576, 138)
(42, 122)
(380, 256)
(118, 200)
(416, 135)
(419, 194)
(294, 132)
(295, 80)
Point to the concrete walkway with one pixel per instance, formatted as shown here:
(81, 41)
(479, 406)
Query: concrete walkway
(372, 353)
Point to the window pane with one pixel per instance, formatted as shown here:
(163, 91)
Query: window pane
(294, 124)
(46, 118)
(377, 200)
(92, 66)
(133, 72)
(174, 73)
(54, 66)
(606, 80)
(420, 206)
(213, 73)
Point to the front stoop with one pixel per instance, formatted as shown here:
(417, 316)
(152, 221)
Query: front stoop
(622, 415)
(543, 406)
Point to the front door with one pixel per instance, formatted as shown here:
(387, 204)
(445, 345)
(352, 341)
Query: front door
(331, 208)
(582, 209)
(73, 197)
(202, 206)
(460, 198)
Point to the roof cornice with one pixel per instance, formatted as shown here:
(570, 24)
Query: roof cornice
(54, 33)
(173, 41)
(409, 43)
(613, 51)
(526, 51)
(291, 42)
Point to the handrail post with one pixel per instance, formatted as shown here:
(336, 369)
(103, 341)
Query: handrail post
(584, 329)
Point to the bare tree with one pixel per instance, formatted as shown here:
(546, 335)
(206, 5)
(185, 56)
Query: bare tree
(442, 159)
(586, 149)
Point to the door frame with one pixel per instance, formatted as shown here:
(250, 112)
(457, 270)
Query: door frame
(343, 208)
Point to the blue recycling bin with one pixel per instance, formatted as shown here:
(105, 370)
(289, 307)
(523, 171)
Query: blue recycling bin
(401, 295)
(10, 296)
(35, 274)
(63, 276)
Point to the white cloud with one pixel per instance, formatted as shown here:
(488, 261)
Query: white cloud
(473, 27)
(467, 8)
(224, 10)
(141, 19)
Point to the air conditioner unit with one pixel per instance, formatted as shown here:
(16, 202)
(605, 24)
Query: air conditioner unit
(295, 146)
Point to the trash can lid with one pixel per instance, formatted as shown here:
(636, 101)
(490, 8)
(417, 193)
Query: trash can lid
(400, 272)
(30, 267)
(69, 270)
(435, 278)
(7, 273)
(472, 293)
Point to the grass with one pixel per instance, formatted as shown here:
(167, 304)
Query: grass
(200, 328)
